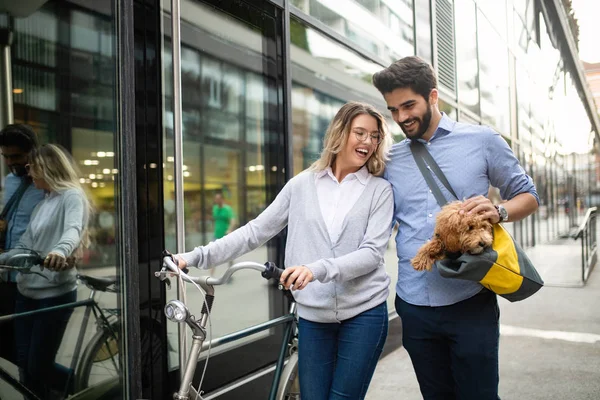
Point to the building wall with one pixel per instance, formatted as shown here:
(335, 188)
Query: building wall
(495, 61)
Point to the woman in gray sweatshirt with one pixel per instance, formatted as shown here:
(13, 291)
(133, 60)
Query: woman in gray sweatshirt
(58, 227)
(339, 219)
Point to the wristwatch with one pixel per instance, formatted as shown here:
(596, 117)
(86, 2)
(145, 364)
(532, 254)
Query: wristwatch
(502, 213)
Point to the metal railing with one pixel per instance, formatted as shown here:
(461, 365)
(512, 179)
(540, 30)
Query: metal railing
(589, 245)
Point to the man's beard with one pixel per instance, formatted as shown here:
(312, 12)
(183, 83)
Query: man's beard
(18, 170)
(423, 122)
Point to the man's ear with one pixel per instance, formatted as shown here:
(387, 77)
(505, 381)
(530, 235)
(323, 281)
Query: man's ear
(433, 97)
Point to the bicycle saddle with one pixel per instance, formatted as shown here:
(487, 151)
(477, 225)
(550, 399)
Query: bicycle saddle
(102, 283)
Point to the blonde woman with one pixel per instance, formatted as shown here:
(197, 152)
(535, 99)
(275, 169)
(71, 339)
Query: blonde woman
(339, 218)
(58, 227)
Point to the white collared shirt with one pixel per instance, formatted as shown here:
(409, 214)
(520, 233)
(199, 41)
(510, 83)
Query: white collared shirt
(336, 199)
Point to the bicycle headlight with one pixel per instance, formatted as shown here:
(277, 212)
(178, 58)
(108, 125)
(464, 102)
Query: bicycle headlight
(176, 311)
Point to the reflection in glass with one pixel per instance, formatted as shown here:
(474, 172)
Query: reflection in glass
(493, 76)
(466, 51)
(383, 28)
(232, 140)
(423, 29)
(63, 70)
(495, 12)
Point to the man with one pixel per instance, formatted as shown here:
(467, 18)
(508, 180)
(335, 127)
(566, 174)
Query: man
(450, 327)
(223, 217)
(16, 142)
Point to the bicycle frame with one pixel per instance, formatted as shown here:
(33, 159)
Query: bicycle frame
(90, 304)
(198, 327)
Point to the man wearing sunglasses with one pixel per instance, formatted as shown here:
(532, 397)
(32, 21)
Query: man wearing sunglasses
(19, 198)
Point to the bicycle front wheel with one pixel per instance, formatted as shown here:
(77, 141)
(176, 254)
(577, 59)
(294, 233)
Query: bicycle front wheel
(289, 384)
(101, 363)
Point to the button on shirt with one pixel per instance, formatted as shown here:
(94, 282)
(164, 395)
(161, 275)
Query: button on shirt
(472, 157)
(336, 199)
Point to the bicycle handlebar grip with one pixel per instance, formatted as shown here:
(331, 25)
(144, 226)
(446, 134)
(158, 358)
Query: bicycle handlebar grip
(271, 271)
(167, 253)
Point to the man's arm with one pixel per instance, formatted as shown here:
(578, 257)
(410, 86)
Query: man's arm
(505, 173)
(521, 206)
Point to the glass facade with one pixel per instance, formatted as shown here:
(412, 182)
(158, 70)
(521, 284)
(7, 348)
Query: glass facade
(231, 122)
(255, 104)
(64, 67)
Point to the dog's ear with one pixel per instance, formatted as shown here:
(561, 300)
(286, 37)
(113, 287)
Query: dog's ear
(428, 254)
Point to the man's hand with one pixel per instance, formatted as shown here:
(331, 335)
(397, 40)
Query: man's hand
(55, 262)
(483, 206)
(299, 276)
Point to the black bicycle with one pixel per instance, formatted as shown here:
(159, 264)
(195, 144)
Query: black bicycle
(95, 369)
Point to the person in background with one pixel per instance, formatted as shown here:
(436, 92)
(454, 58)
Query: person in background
(450, 327)
(57, 230)
(223, 217)
(339, 215)
(19, 198)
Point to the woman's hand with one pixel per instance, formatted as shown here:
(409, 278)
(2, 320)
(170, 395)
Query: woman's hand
(299, 276)
(180, 262)
(55, 262)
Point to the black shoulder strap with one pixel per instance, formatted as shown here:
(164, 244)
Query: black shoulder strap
(426, 163)
(14, 200)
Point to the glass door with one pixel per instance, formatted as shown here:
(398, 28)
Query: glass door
(232, 162)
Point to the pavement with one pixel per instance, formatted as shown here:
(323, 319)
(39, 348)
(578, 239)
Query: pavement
(549, 343)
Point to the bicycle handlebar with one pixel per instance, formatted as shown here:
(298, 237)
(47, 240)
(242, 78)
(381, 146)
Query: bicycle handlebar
(268, 270)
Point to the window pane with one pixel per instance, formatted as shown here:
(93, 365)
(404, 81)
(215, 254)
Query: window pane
(383, 28)
(63, 68)
(466, 51)
(232, 136)
(493, 75)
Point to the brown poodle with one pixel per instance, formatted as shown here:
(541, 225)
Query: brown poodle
(454, 234)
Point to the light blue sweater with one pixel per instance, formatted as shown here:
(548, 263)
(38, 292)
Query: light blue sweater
(350, 275)
(57, 224)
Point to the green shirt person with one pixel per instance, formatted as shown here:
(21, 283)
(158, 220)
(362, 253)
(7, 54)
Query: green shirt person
(223, 217)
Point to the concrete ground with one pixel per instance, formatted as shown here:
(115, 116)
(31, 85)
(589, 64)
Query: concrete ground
(549, 343)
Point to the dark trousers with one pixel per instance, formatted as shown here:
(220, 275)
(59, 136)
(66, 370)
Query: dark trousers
(38, 340)
(454, 349)
(8, 295)
(337, 360)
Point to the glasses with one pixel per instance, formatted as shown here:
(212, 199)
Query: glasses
(361, 136)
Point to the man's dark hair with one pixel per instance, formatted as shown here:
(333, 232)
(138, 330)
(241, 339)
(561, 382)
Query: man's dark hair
(19, 135)
(408, 72)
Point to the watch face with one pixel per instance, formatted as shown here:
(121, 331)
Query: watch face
(503, 213)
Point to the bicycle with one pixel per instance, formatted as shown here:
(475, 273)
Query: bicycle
(95, 369)
(285, 384)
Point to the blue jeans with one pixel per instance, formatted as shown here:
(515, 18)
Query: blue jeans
(38, 339)
(337, 360)
(454, 349)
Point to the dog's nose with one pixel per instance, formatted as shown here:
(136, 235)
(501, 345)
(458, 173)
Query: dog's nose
(481, 244)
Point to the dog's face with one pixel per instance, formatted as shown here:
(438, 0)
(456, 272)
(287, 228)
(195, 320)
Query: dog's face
(454, 233)
(462, 233)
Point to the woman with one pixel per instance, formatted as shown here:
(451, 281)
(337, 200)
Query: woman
(339, 218)
(58, 227)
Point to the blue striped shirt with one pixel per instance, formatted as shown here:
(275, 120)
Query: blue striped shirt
(19, 217)
(472, 157)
